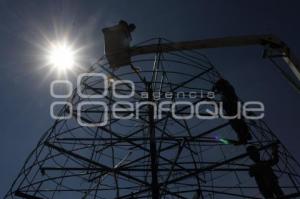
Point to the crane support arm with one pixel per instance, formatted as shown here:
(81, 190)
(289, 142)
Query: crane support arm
(119, 52)
(269, 41)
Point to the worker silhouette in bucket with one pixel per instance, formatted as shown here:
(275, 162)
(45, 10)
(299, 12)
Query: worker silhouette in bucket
(230, 101)
(263, 173)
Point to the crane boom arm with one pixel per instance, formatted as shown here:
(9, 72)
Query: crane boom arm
(119, 52)
(239, 41)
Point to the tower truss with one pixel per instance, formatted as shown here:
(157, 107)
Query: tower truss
(149, 157)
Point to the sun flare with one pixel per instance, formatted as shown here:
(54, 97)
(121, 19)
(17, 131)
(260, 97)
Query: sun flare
(61, 56)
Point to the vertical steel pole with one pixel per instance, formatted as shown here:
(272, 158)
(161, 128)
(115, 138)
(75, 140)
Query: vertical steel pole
(154, 163)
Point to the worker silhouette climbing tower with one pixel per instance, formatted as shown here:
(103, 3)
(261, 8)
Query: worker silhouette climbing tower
(230, 103)
(263, 173)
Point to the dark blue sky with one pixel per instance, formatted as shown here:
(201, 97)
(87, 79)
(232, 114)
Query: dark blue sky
(25, 97)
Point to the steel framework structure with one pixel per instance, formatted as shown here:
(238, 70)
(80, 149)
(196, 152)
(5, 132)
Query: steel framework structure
(146, 157)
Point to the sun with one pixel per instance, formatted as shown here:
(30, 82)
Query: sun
(61, 56)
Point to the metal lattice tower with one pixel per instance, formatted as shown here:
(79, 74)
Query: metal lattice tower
(147, 157)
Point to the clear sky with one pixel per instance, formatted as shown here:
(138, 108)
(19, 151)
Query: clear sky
(26, 25)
